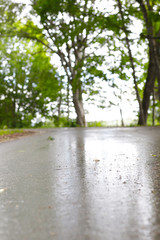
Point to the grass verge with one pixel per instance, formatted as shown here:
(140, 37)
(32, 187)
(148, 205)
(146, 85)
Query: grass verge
(10, 131)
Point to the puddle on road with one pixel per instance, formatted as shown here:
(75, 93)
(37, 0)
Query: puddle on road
(94, 185)
(107, 188)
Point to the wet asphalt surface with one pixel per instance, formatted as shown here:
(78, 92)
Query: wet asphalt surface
(84, 184)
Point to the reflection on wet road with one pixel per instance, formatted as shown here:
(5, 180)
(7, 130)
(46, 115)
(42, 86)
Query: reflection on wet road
(85, 184)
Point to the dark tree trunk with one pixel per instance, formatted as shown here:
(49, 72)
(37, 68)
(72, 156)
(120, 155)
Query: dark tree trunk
(68, 102)
(158, 56)
(141, 120)
(59, 106)
(153, 108)
(154, 67)
(149, 86)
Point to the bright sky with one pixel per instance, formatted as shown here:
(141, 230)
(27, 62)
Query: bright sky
(112, 114)
(22, 1)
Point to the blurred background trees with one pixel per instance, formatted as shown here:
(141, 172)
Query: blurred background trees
(55, 56)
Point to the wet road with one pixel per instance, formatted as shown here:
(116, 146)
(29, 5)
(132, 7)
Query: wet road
(85, 184)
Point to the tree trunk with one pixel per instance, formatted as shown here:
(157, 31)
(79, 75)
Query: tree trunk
(151, 75)
(78, 104)
(158, 56)
(153, 108)
(153, 68)
(59, 106)
(68, 102)
(141, 113)
(14, 113)
(74, 75)
(141, 120)
(122, 121)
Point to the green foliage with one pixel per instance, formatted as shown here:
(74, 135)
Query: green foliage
(97, 124)
(8, 15)
(64, 122)
(27, 83)
(10, 131)
(59, 122)
(44, 74)
(29, 31)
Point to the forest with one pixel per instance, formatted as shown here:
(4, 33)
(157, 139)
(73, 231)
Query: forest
(54, 55)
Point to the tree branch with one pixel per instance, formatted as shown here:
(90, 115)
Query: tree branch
(130, 56)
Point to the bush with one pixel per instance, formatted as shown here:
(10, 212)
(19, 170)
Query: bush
(59, 122)
(97, 124)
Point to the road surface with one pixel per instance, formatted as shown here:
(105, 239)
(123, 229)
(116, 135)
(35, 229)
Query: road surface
(81, 184)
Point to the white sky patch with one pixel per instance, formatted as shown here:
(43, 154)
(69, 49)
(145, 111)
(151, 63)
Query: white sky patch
(22, 1)
(111, 113)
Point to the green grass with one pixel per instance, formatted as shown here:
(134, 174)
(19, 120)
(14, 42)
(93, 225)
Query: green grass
(9, 131)
(97, 124)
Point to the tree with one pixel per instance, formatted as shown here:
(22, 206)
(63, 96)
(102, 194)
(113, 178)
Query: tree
(28, 82)
(132, 62)
(72, 30)
(8, 15)
(147, 13)
(149, 9)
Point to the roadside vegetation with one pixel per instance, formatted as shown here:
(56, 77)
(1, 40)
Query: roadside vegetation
(10, 131)
(10, 134)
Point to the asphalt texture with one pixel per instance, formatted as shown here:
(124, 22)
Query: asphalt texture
(81, 184)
